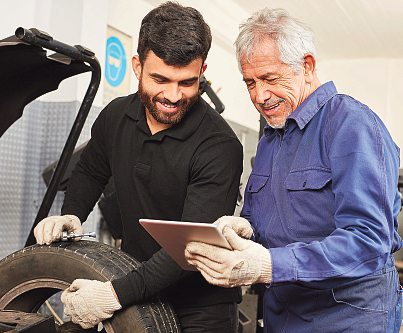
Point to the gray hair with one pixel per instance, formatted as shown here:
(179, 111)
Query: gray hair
(294, 39)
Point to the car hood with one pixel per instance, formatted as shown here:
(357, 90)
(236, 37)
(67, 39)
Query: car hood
(27, 73)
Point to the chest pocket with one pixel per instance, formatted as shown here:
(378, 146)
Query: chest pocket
(256, 193)
(259, 201)
(310, 202)
(256, 183)
(313, 179)
(141, 174)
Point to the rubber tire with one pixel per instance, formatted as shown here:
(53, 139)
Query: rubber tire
(30, 276)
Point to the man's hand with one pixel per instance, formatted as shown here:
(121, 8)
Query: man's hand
(89, 302)
(247, 262)
(240, 225)
(50, 229)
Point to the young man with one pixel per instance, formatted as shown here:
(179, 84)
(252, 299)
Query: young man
(322, 199)
(171, 157)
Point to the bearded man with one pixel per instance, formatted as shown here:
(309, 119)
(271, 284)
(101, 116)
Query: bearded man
(172, 157)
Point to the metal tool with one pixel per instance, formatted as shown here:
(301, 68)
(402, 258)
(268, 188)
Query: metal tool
(67, 236)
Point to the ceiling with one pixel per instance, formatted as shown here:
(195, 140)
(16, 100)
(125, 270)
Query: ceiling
(346, 28)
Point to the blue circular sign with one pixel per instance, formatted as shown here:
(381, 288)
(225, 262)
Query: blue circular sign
(115, 62)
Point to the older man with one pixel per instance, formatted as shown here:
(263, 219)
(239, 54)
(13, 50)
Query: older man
(322, 199)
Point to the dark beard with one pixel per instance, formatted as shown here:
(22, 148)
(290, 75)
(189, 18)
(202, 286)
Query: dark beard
(171, 119)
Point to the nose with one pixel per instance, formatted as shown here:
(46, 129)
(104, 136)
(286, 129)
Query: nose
(262, 92)
(173, 93)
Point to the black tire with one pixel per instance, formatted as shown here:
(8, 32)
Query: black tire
(30, 276)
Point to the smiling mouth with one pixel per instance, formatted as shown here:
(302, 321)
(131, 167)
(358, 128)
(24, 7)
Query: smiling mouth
(169, 106)
(270, 107)
(273, 106)
(163, 106)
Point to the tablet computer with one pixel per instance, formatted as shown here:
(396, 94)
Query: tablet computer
(173, 236)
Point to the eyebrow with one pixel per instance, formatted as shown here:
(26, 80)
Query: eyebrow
(162, 77)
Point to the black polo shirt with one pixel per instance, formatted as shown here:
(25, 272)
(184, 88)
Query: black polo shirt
(188, 172)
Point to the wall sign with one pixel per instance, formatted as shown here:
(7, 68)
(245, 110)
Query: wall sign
(117, 68)
(115, 64)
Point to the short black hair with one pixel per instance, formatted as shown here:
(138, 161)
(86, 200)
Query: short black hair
(176, 34)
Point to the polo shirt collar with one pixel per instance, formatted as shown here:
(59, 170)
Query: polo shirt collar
(310, 106)
(181, 131)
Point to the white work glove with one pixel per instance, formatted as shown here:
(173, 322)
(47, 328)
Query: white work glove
(247, 263)
(240, 225)
(50, 229)
(89, 302)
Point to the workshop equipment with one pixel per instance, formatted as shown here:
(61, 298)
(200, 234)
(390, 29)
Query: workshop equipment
(67, 236)
(12, 321)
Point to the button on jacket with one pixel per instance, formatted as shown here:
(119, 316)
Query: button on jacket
(323, 194)
(188, 172)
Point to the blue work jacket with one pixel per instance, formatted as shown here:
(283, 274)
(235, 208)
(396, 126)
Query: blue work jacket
(323, 196)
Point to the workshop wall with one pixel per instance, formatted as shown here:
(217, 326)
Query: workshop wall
(375, 81)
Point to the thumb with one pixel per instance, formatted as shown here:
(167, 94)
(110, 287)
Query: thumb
(236, 242)
(77, 284)
(64, 296)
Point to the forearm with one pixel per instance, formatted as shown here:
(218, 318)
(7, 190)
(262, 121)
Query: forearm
(344, 254)
(150, 278)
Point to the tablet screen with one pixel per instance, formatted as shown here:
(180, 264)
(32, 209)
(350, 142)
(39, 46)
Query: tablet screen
(173, 236)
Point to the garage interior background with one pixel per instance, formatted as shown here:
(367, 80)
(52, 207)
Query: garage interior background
(359, 42)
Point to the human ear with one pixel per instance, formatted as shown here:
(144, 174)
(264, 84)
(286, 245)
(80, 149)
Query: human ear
(136, 64)
(309, 67)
